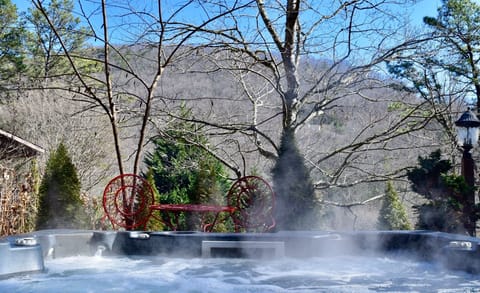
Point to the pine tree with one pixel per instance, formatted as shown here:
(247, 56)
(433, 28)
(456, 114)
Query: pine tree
(59, 194)
(47, 55)
(209, 187)
(445, 194)
(393, 215)
(12, 36)
(183, 172)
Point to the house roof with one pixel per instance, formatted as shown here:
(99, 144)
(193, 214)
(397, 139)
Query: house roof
(12, 146)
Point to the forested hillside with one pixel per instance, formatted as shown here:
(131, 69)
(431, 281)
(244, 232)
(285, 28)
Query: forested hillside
(327, 106)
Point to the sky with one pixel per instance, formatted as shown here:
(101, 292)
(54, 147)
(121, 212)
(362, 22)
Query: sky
(416, 13)
(423, 8)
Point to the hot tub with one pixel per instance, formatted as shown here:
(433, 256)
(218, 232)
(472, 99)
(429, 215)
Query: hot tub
(300, 261)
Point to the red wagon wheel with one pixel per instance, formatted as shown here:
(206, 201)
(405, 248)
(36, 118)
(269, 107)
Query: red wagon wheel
(254, 201)
(126, 201)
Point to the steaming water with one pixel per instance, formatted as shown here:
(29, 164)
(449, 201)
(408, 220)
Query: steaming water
(339, 274)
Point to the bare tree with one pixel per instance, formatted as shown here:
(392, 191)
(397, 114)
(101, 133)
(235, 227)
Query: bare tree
(296, 71)
(310, 72)
(123, 92)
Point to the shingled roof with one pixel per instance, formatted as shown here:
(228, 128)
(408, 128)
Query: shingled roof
(12, 146)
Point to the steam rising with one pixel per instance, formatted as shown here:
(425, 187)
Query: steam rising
(296, 206)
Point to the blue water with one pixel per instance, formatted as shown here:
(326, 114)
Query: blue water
(159, 274)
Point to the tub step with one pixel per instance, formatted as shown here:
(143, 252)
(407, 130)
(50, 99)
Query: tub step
(252, 249)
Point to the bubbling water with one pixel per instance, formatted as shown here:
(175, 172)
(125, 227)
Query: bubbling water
(320, 274)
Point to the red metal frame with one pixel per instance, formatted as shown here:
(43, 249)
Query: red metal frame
(254, 200)
(128, 202)
(171, 213)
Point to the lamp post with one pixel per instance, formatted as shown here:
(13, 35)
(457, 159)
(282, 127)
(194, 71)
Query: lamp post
(467, 132)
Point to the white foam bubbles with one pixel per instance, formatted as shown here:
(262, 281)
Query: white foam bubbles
(321, 274)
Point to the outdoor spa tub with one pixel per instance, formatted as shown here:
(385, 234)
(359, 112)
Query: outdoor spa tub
(287, 261)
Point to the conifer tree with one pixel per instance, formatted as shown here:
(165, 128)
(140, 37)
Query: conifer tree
(183, 172)
(12, 37)
(393, 215)
(47, 55)
(59, 194)
(445, 194)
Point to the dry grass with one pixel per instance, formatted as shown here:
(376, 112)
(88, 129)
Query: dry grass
(18, 202)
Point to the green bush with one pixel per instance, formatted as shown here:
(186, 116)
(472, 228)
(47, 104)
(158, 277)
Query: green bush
(393, 215)
(60, 204)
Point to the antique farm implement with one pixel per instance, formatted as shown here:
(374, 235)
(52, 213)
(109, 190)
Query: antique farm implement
(129, 203)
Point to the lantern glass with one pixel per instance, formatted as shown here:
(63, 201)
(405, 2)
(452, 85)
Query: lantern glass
(467, 136)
